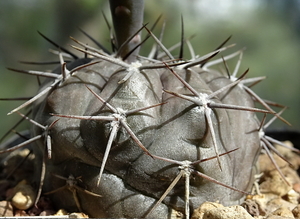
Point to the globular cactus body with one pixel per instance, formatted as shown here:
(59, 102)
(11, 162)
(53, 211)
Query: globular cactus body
(176, 130)
(139, 129)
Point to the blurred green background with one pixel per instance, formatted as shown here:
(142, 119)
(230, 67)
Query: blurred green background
(270, 31)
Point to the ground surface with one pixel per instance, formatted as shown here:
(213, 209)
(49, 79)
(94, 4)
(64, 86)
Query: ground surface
(273, 197)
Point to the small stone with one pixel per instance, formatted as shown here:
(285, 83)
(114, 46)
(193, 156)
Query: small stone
(277, 203)
(24, 196)
(47, 213)
(278, 217)
(233, 212)
(275, 184)
(296, 212)
(262, 202)
(20, 213)
(61, 212)
(253, 207)
(6, 210)
(284, 212)
(176, 214)
(78, 215)
(293, 196)
(206, 206)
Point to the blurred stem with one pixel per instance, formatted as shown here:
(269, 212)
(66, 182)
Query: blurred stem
(127, 18)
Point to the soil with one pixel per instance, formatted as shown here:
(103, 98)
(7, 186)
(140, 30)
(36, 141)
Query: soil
(274, 195)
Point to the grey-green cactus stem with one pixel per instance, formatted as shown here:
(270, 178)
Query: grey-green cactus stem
(127, 18)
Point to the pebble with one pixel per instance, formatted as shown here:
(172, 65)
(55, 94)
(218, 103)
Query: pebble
(275, 184)
(78, 215)
(206, 206)
(61, 212)
(6, 209)
(293, 196)
(47, 213)
(278, 217)
(232, 212)
(24, 196)
(284, 212)
(296, 211)
(210, 210)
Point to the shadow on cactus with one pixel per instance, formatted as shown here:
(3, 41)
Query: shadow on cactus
(137, 130)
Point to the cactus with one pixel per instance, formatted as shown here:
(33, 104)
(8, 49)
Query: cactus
(145, 135)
